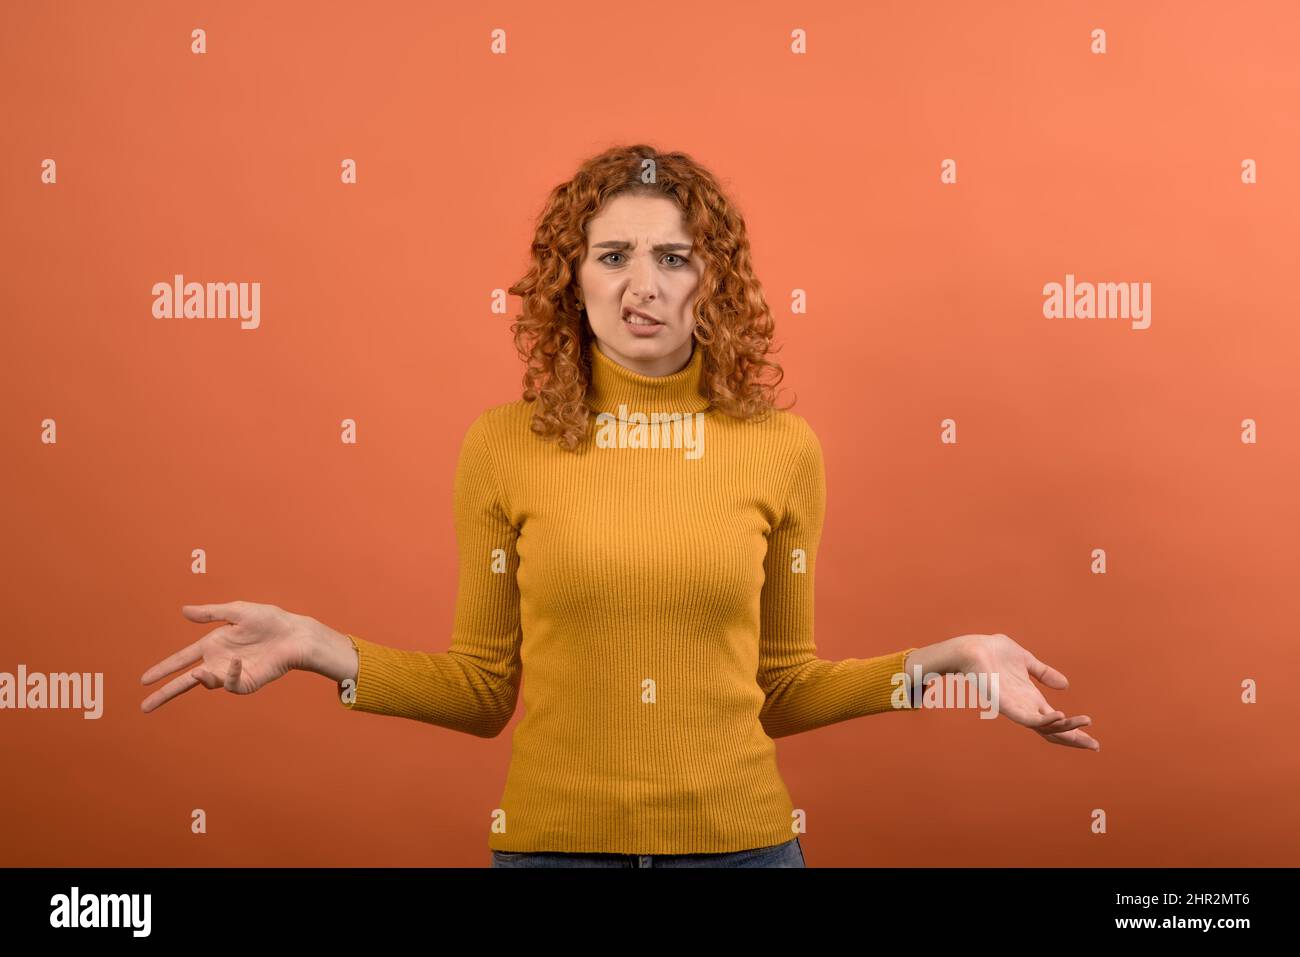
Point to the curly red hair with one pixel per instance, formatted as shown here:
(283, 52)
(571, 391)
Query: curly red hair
(733, 324)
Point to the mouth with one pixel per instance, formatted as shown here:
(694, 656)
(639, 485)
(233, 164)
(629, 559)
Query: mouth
(634, 318)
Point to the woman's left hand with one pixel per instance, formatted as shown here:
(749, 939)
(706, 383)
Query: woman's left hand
(1019, 698)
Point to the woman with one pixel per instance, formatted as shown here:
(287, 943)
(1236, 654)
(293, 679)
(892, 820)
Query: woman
(640, 530)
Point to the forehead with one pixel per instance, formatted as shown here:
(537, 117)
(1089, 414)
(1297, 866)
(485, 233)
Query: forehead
(630, 216)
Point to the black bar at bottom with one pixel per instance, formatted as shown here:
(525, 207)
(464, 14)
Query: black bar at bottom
(438, 907)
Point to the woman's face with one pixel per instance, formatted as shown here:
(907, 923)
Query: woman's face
(639, 257)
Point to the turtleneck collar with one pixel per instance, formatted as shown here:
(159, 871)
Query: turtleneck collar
(613, 385)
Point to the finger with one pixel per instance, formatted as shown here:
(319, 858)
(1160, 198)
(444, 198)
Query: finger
(1075, 739)
(1046, 717)
(207, 678)
(182, 659)
(1065, 724)
(1031, 714)
(185, 658)
(1047, 674)
(232, 676)
(1086, 740)
(168, 691)
(231, 611)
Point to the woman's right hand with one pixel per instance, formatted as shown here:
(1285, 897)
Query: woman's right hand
(254, 645)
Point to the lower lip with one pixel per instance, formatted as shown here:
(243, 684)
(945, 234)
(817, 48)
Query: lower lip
(639, 330)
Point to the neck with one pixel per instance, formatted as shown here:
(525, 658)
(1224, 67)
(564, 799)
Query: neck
(613, 385)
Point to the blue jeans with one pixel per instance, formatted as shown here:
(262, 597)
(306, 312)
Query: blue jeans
(789, 854)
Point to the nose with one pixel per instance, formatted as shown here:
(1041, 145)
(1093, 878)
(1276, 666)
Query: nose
(641, 283)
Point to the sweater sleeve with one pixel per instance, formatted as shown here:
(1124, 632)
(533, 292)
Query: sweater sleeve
(803, 691)
(471, 687)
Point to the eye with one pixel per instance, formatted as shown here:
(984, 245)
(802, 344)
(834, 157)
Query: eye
(682, 260)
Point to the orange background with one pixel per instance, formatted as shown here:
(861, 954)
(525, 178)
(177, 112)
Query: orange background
(925, 303)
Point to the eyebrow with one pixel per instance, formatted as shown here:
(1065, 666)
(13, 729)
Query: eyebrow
(659, 248)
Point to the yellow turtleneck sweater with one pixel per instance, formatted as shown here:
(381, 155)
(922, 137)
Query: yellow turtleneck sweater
(658, 599)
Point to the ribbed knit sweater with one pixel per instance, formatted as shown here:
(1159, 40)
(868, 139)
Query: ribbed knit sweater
(655, 602)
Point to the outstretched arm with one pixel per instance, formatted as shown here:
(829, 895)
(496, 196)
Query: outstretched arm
(805, 692)
(473, 686)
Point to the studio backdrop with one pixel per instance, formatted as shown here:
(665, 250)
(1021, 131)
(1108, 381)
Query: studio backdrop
(1033, 272)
